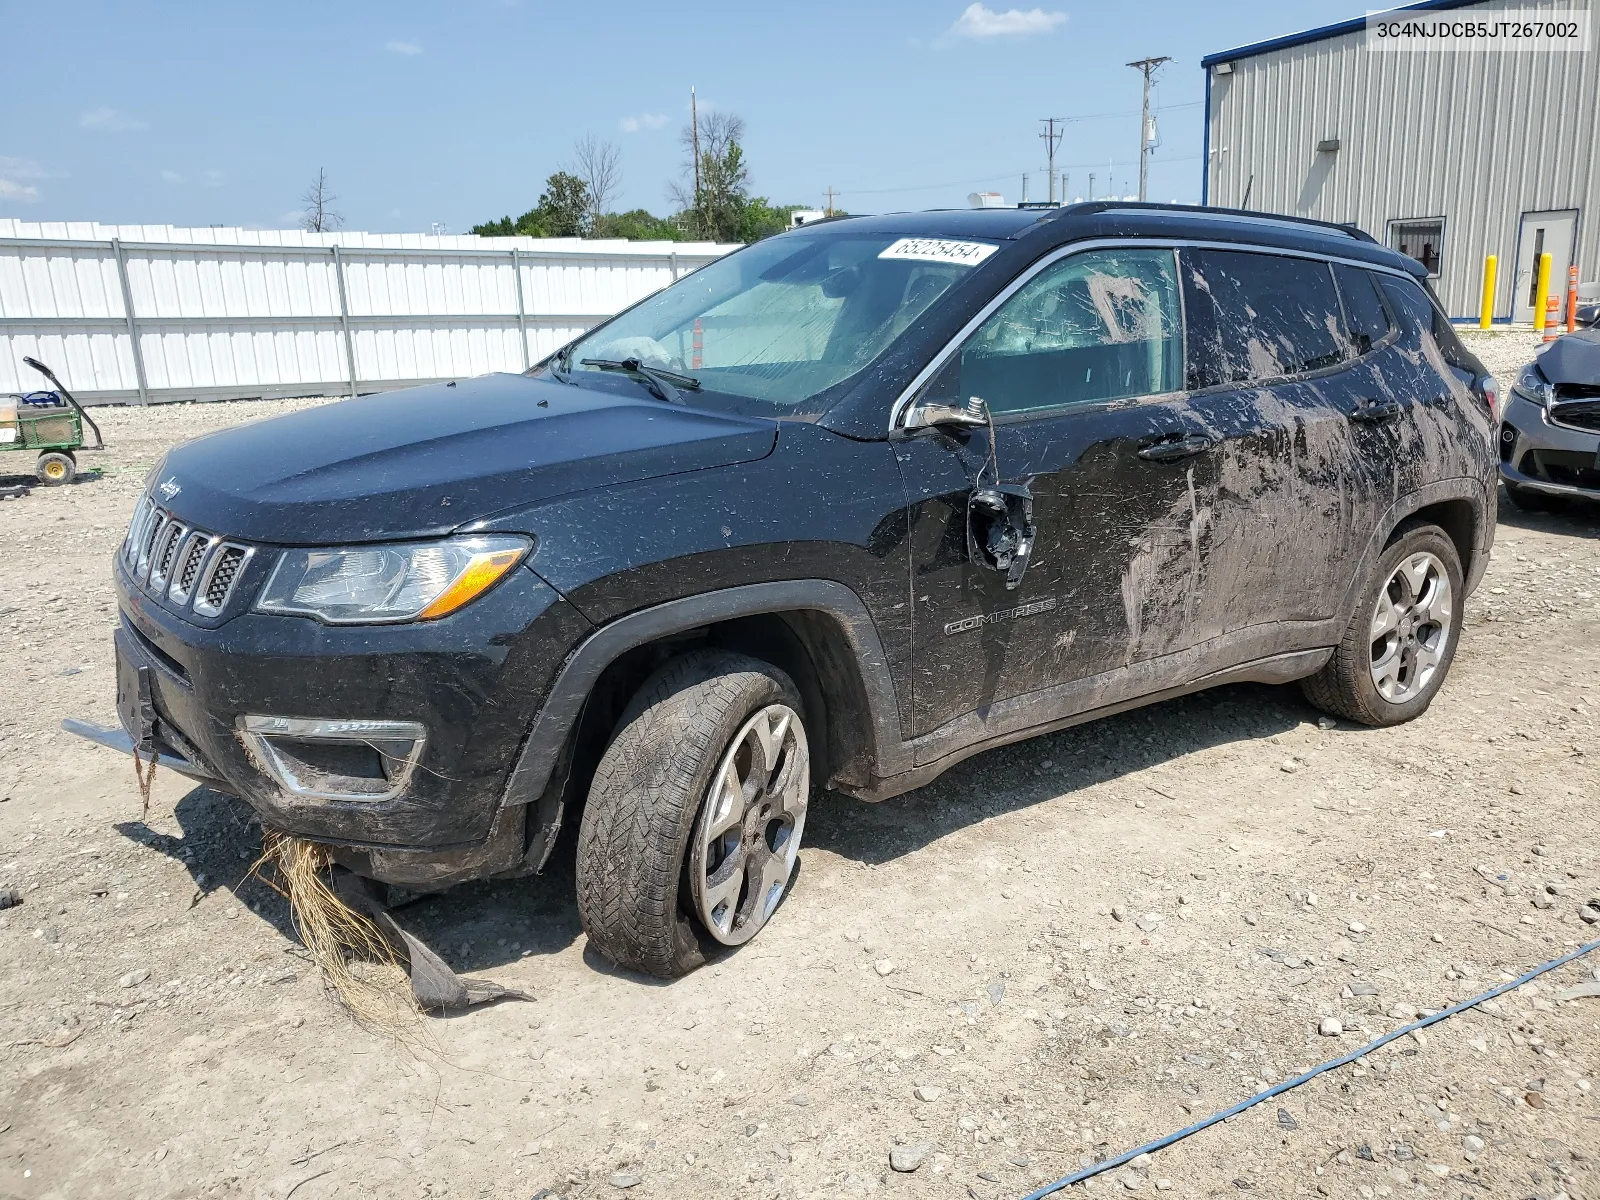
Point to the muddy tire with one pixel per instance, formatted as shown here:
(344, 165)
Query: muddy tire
(704, 785)
(1402, 636)
(55, 468)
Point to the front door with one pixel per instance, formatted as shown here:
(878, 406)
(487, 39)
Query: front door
(1082, 370)
(1552, 233)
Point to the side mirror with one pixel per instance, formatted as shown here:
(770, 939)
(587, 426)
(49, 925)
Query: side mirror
(926, 414)
(1588, 316)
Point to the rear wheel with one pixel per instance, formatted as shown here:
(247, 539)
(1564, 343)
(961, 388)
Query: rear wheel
(692, 828)
(1531, 501)
(55, 468)
(1401, 639)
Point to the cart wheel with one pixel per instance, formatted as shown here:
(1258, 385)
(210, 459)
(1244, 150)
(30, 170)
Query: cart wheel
(56, 468)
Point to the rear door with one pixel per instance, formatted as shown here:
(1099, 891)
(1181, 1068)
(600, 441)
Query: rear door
(1270, 356)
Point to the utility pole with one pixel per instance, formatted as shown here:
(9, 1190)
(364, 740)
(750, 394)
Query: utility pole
(1052, 139)
(830, 200)
(1147, 66)
(1024, 187)
(1091, 185)
(694, 144)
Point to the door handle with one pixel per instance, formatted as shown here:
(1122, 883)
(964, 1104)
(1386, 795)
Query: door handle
(1376, 413)
(1177, 448)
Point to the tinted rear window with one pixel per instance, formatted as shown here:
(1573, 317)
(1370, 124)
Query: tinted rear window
(1366, 320)
(1256, 317)
(1417, 308)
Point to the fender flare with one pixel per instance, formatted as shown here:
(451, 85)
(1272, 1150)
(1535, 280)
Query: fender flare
(542, 749)
(1462, 487)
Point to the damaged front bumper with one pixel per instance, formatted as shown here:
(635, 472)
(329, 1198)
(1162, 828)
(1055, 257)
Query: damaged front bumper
(393, 745)
(1540, 455)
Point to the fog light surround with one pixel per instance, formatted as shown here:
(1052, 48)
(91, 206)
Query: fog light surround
(314, 758)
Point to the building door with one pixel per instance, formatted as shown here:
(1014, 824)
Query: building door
(1552, 233)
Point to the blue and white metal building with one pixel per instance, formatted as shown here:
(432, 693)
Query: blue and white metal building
(1449, 156)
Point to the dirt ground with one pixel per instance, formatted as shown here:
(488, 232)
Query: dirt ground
(1054, 953)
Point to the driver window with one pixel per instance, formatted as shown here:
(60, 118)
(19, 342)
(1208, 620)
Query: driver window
(1102, 325)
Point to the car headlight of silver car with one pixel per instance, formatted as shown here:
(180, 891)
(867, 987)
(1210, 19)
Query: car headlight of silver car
(1533, 387)
(384, 584)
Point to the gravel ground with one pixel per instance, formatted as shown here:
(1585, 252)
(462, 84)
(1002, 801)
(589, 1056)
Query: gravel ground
(1055, 952)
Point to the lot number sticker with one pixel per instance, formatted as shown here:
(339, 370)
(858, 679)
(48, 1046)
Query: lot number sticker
(962, 254)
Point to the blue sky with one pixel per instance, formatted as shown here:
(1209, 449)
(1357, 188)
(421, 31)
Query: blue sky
(221, 113)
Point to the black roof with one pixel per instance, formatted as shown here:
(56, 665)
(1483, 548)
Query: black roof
(1121, 218)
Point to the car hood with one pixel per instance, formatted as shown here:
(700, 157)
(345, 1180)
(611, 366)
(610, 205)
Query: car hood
(425, 461)
(1573, 358)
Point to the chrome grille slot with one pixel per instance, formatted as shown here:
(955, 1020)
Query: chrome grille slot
(220, 577)
(189, 561)
(165, 553)
(147, 543)
(141, 515)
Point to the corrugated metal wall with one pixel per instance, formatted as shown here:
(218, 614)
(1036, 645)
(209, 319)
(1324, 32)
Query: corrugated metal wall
(219, 313)
(1478, 138)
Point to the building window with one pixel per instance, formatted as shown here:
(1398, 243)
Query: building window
(1422, 240)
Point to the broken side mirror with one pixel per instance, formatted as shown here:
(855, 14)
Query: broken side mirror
(1000, 530)
(928, 413)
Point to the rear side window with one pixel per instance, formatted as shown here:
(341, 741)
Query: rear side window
(1366, 320)
(1417, 308)
(1255, 317)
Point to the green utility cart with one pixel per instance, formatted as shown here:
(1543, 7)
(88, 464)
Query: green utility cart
(49, 425)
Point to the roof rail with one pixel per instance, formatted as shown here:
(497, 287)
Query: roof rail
(1237, 214)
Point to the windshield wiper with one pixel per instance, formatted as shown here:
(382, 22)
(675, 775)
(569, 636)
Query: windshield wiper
(662, 384)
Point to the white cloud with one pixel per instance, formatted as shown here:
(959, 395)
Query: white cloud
(643, 121)
(111, 120)
(24, 168)
(409, 49)
(20, 193)
(976, 21)
(171, 177)
(212, 178)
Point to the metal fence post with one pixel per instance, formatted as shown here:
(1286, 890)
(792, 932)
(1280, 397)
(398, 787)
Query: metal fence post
(672, 262)
(133, 325)
(344, 319)
(522, 311)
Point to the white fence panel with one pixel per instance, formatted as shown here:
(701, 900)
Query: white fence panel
(137, 313)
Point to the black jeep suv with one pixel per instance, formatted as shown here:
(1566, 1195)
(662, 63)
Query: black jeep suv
(841, 509)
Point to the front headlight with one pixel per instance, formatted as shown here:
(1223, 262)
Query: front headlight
(1533, 387)
(363, 585)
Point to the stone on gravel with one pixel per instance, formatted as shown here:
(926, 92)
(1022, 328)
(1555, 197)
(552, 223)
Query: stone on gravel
(1119, 913)
(1590, 913)
(883, 967)
(927, 1094)
(1472, 1144)
(1330, 1027)
(1149, 922)
(134, 978)
(1356, 927)
(624, 1180)
(906, 1159)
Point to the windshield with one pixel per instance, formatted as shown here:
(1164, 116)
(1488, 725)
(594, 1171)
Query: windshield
(767, 329)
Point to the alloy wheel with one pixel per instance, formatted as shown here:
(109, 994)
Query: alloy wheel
(1411, 627)
(747, 838)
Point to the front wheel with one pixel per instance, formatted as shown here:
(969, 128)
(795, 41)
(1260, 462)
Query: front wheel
(693, 823)
(1402, 637)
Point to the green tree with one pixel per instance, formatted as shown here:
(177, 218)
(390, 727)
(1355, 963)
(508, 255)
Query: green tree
(637, 225)
(562, 211)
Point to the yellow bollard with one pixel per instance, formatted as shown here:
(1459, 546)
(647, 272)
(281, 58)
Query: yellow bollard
(1486, 306)
(1541, 293)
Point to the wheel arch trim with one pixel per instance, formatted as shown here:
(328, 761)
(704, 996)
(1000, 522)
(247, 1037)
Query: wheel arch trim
(558, 716)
